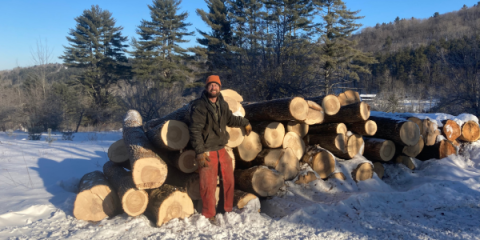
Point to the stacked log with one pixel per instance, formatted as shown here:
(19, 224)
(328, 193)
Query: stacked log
(400, 131)
(439, 150)
(379, 149)
(348, 97)
(259, 180)
(320, 160)
(470, 132)
(450, 130)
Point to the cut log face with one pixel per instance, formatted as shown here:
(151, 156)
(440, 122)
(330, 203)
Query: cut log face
(413, 151)
(430, 132)
(406, 160)
(379, 149)
(233, 105)
(364, 171)
(188, 181)
(148, 173)
(315, 113)
(339, 176)
(241, 198)
(357, 112)
(288, 164)
(277, 110)
(117, 152)
(232, 94)
(399, 131)
(173, 135)
(250, 147)
(271, 134)
(354, 146)
(378, 169)
(134, 201)
(440, 150)
(293, 141)
(366, 128)
(182, 114)
(167, 203)
(451, 130)
(329, 103)
(259, 180)
(95, 200)
(236, 136)
(418, 121)
(329, 128)
(297, 127)
(335, 143)
(186, 161)
(321, 161)
(349, 97)
(306, 178)
(470, 132)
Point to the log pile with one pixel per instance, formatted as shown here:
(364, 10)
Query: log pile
(161, 181)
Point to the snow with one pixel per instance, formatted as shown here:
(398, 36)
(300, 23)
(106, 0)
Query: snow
(440, 199)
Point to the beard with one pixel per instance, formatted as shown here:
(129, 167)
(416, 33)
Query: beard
(213, 95)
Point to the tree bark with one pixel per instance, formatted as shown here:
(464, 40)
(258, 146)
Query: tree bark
(117, 152)
(286, 109)
(379, 149)
(259, 180)
(329, 128)
(182, 114)
(364, 128)
(403, 132)
(357, 112)
(168, 202)
(171, 135)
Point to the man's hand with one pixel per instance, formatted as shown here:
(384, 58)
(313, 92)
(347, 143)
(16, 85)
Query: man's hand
(248, 129)
(202, 160)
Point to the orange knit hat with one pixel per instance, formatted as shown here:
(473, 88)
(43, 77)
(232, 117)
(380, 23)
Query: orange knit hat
(213, 79)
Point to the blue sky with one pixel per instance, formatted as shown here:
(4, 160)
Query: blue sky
(23, 22)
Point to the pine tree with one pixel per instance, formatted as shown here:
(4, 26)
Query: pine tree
(97, 46)
(340, 62)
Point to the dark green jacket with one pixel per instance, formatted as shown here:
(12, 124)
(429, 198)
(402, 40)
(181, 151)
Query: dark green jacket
(206, 134)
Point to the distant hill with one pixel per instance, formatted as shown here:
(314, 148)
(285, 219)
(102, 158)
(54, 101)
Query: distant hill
(55, 73)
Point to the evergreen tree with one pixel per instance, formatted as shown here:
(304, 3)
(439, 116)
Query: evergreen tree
(340, 62)
(97, 46)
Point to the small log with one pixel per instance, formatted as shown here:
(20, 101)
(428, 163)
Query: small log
(348, 97)
(117, 152)
(329, 128)
(232, 94)
(134, 201)
(353, 147)
(379, 169)
(271, 133)
(470, 132)
(321, 161)
(335, 143)
(249, 149)
(293, 141)
(259, 180)
(286, 109)
(172, 135)
(430, 132)
(95, 199)
(403, 132)
(168, 202)
(406, 160)
(182, 114)
(362, 172)
(357, 112)
(365, 128)
(241, 198)
(315, 113)
(236, 136)
(297, 127)
(412, 151)
(306, 178)
(339, 176)
(379, 149)
(440, 150)
(451, 130)
(329, 103)
(148, 170)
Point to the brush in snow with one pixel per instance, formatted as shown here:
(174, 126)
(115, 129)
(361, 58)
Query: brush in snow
(364, 128)
(379, 149)
(329, 103)
(320, 160)
(399, 131)
(357, 112)
(168, 202)
(451, 130)
(117, 152)
(277, 110)
(259, 180)
(271, 133)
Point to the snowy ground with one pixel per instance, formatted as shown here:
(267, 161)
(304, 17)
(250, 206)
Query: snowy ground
(438, 200)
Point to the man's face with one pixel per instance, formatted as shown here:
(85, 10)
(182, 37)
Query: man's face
(213, 90)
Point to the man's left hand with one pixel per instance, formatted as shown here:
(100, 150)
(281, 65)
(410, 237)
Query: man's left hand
(248, 129)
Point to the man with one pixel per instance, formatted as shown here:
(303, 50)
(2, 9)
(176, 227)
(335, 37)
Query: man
(209, 117)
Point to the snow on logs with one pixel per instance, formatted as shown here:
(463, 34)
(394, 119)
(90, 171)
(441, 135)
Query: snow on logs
(330, 103)
(148, 170)
(320, 160)
(285, 109)
(399, 131)
(134, 201)
(95, 199)
(259, 180)
(379, 149)
(451, 130)
(168, 202)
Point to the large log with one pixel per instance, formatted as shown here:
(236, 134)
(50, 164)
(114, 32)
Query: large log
(295, 142)
(168, 202)
(470, 132)
(148, 170)
(241, 198)
(418, 121)
(297, 127)
(250, 147)
(95, 199)
(362, 172)
(348, 97)
(134, 201)
(399, 131)
(451, 130)
(315, 113)
(329, 103)
(282, 160)
(335, 143)
(259, 180)
(412, 151)
(271, 133)
(171, 135)
(379, 149)
(329, 128)
(286, 109)
(320, 160)
(354, 146)
(236, 136)
(232, 94)
(182, 114)
(117, 152)
(357, 112)
(440, 150)
(364, 128)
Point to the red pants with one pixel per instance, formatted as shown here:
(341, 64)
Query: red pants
(208, 182)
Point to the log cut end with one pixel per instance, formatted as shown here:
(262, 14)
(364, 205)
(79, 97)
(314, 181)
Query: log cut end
(295, 142)
(135, 202)
(233, 104)
(364, 171)
(236, 136)
(232, 94)
(417, 121)
(96, 204)
(339, 176)
(364, 111)
(175, 205)
(306, 178)
(413, 151)
(298, 108)
(297, 127)
(409, 133)
(175, 134)
(446, 149)
(323, 162)
(331, 105)
(241, 198)
(186, 161)
(406, 160)
(266, 182)
(288, 164)
(470, 131)
(132, 119)
(250, 147)
(274, 134)
(149, 173)
(379, 169)
(451, 130)
(370, 128)
(355, 145)
(315, 113)
(118, 152)
(387, 150)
